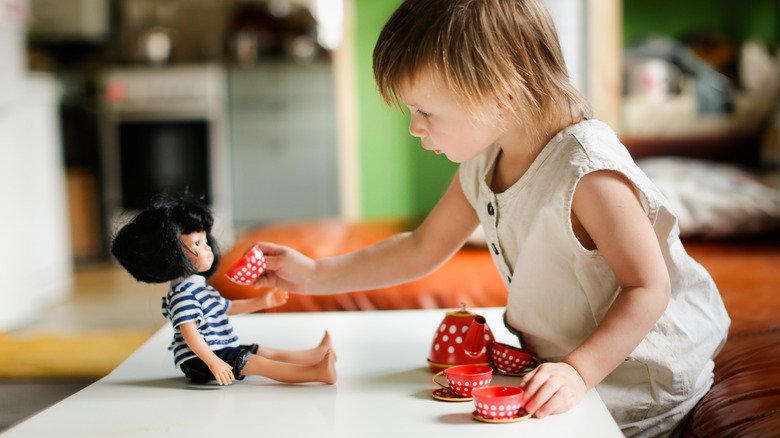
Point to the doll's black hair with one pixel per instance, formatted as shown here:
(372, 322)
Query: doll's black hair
(149, 246)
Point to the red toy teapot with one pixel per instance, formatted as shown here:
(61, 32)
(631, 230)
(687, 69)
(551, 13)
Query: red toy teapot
(463, 338)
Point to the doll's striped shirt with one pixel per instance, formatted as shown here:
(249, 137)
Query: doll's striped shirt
(192, 300)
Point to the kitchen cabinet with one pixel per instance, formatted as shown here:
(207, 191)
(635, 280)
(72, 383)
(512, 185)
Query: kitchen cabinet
(283, 142)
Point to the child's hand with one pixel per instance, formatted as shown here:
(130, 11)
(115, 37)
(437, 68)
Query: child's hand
(222, 372)
(286, 269)
(552, 388)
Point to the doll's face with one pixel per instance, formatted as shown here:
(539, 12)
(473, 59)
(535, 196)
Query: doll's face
(197, 248)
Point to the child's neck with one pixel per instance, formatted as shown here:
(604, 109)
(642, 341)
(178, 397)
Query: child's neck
(518, 153)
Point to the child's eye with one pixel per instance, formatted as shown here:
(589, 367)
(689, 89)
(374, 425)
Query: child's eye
(423, 113)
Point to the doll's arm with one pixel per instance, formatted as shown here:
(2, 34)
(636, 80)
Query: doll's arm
(272, 298)
(221, 370)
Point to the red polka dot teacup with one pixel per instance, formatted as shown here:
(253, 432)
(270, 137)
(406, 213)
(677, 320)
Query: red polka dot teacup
(246, 270)
(510, 360)
(498, 402)
(463, 379)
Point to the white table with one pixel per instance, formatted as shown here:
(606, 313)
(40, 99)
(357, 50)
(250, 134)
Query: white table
(384, 389)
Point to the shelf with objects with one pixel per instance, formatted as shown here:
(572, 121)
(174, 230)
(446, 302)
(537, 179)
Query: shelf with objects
(702, 82)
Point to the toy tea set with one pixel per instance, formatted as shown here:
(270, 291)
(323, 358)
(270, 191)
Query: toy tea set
(463, 350)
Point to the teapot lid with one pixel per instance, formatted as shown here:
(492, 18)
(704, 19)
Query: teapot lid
(461, 313)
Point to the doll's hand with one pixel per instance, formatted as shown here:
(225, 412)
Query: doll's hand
(286, 269)
(552, 388)
(222, 371)
(274, 298)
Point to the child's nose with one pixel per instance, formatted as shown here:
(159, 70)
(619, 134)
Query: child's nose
(416, 128)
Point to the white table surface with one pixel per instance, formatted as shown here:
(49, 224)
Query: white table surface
(384, 389)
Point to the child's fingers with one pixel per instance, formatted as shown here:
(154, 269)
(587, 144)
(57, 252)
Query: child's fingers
(542, 402)
(537, 391)
(268, 279)
(548, 408)
(527, 378)
(271, 250)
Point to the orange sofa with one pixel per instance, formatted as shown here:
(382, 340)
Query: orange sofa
(745, 399)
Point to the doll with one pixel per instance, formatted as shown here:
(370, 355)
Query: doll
(171, 241)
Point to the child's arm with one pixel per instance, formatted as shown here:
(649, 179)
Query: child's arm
(608, 209)
(220, 369)
(272, 298)
(398, 259)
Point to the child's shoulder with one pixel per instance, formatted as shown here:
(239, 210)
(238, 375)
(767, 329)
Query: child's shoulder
(589, 133)
(592, 140)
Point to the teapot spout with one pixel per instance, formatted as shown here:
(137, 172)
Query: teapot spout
(475, 337)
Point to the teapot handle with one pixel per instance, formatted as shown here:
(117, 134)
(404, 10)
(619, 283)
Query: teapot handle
(437, 375)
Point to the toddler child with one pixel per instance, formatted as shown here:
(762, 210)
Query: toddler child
(599, 283)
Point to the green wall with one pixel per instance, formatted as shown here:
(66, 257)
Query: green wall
(738, 20)
(398, 178)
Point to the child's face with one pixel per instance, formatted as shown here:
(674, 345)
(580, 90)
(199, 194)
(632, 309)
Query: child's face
(197, 248)
(443, 125)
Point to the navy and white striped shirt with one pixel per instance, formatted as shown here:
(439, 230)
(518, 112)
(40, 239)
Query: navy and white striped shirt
(192, 300)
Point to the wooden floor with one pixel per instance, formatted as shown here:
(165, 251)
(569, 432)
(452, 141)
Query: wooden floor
(104, 298)
(21, 399)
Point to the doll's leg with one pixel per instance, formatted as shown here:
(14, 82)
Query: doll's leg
(322, 371)
(300, 357)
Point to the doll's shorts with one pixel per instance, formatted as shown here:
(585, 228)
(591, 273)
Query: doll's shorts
(197, 370)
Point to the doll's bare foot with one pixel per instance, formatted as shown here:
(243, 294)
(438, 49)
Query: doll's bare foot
(326, 368)
(326, 345)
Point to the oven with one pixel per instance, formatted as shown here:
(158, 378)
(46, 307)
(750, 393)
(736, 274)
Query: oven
(164, 129)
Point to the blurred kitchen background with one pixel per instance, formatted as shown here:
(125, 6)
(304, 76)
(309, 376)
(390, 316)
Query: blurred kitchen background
(109, 102)
(267, 108)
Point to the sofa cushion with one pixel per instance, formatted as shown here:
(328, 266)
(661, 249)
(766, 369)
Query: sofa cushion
(745, 398)
(747, 273)
(714, 200)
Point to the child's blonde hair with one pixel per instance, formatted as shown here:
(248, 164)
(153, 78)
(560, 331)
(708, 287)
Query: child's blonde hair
(487, 51)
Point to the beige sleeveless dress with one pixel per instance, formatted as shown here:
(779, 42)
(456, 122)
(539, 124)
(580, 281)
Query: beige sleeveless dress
(559, 291)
